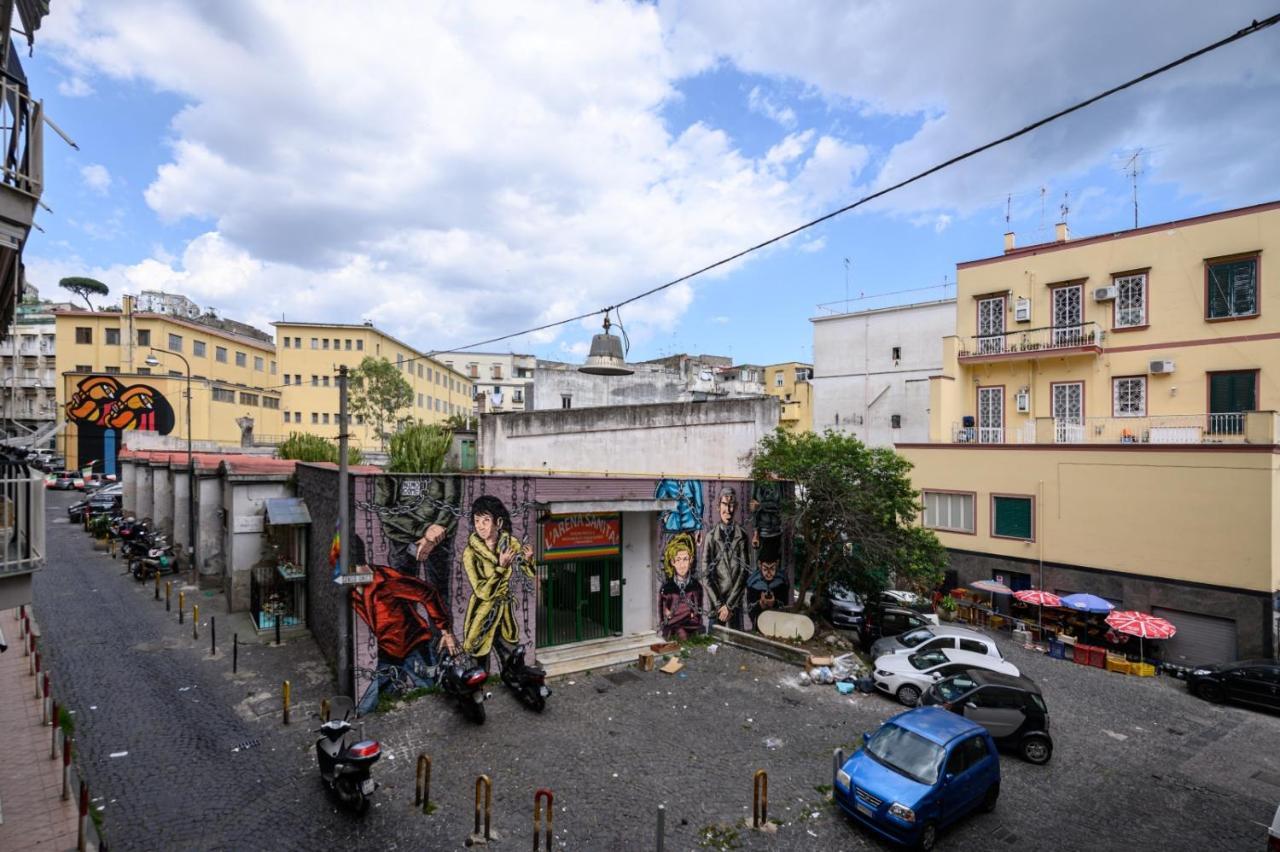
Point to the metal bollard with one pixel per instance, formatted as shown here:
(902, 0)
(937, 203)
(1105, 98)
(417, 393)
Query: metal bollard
(235, 652)
(84, 814)
(324, 710)
(157, 585)
(213, 636)
(53, 740)
(277, 620)
(33, 661)
(67, 744)
(182, 604)
(286, 702)
(36, 661)
(168, 592)
(44, 701)
(195, 621)
(661, 840)
(422, 786)
(538, 796)
(760, 799)
(484, 783)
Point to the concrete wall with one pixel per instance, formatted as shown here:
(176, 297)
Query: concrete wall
(162, 498)
(210, 542)
(857, 384)
(242, 500)
(706, 439)
(181, 486)
(144, 492)
(129, 484)
(651, 383)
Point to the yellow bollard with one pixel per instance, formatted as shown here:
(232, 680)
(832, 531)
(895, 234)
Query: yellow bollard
(182, 603)
(484, 783)
(760, 799)
(157, 585)
(422, 787)
(195, 621)
(324, 709)
(168, 594)
(286, 702)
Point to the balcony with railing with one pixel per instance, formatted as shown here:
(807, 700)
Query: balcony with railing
(21, 532)
(1051, 342)
(1244, 427)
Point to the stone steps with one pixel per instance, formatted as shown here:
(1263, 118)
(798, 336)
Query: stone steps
(595, 654)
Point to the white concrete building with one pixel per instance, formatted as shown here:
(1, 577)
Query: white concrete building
(871, 370)
(677, 439)
(28, 371)
(500, 378)
(679, 378)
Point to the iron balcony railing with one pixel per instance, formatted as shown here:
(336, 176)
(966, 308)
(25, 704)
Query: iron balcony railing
(22, 135)
(22, 533)
(1212, 428)
(1033, 341)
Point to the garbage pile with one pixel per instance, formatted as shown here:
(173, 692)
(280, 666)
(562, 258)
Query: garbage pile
(846, 672)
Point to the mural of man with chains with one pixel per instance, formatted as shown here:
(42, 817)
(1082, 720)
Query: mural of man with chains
(491, 556)
(725, 562)
(680, 599)
(419, 518)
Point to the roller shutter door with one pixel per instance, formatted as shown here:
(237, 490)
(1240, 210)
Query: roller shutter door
(1200, 638)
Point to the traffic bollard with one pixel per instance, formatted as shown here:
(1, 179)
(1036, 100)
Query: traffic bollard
(44, 701)
(286, 702)
(168, 592)
(53, 740)
(324, 709)
(235, 652)
(213, 636)
(760, 799)
(157, 585)
(195, 621)
(422, 783)
(483, 783)
(277, 620)
(32, 656)
(67, 744)
(661, 840)
(36, 660)
(182, 605)
(539, 795)
(84, 814)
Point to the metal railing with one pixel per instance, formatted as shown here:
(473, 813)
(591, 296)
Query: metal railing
(1211, 428)
(1032, 341)
(1023, 434)
(22, 135)
(21, 519)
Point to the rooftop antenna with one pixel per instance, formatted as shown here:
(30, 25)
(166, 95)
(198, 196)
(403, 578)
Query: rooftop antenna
(1008, 210)
(846, 285)
(1064, 208)
(1131, 168)
(1043, 190)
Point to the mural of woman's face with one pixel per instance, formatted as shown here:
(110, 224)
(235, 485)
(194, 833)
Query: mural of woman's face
(681, 560)
(485, 526)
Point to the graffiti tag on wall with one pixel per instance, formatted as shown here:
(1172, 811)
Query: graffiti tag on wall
(103, 401)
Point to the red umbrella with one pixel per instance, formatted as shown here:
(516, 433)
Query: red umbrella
(1142, 625)
(1038, 597)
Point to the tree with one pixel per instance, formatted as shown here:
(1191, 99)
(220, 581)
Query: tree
(303, 446)
(420, 448)
(379, 392)
(854, 513)
(83, 287)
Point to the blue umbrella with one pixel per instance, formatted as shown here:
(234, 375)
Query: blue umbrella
(1087, 603)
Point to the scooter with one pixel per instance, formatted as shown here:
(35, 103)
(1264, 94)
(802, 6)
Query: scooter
(529, 683)
(159, 560)
(344, 769)
(465, 684)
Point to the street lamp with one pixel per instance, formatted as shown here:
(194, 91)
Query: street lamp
(153, 361)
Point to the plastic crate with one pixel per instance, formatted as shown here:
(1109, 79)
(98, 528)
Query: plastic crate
(1081, 654)
(1117, 664)
(1057, 650)
(1142, 669)
(1097, 657)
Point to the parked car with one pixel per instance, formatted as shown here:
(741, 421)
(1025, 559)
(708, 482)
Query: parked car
(1010, 708)
(907, 676)
(841, 607)
(878, 621)
(908, 600)
(102, 500)
(1254, 682)
(94, 481)
(936, 636)
(922, 770)
(64, 480)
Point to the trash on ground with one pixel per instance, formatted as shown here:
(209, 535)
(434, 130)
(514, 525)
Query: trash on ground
(713, 647)
(118, 754)
(845, 686)
(673, 665)
(772, 742)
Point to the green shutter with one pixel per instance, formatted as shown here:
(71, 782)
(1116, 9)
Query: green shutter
(1233, 289)
(1232, 392)
(1219, 290)
(1013, 516)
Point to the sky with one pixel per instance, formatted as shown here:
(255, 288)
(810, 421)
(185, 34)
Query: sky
(454, 172)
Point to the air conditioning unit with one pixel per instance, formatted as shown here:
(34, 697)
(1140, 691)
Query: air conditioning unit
(1022, 402)
(1022, 310)
(1156, 367)
(1104, 294)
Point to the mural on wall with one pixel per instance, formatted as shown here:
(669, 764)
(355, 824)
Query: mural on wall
(724, 558)
(680, 599)
(493, 555)
(102, 408)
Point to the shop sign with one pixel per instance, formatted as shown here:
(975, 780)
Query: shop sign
(587, 536)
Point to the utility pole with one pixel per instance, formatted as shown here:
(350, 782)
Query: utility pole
(345, 683)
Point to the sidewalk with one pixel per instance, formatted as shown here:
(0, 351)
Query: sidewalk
(31, 808)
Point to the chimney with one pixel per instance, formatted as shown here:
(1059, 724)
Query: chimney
(126, 304)
(1061, 234)
(1008, 242)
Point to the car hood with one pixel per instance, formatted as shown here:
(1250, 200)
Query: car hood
(884, 783)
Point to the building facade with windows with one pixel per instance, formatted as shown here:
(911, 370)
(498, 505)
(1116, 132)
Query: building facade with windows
(1105, 421)
(309, 356)
(28, 361)
(871, 370)
(501, 378)
(107, 388)
(791, 383)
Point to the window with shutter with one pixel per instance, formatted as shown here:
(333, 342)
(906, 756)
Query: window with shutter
(1012, 517)
(1232, 288)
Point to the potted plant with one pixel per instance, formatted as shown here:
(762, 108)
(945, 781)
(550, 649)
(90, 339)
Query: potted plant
(947, 608)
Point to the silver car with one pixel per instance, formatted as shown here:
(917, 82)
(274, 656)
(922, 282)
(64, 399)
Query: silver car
(937, 636)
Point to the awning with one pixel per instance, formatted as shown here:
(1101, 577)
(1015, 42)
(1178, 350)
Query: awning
(286, 511)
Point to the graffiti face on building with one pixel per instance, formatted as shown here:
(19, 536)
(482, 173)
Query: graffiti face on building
(103, 401)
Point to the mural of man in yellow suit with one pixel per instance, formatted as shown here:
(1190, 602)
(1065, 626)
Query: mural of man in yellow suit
(491, 556)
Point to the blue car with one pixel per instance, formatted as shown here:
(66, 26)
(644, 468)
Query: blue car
(922, 770)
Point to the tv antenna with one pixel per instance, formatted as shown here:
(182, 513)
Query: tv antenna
(1131, 168)
(1065, 207)
(1008, 210)
(1043, 190)
(846, 285)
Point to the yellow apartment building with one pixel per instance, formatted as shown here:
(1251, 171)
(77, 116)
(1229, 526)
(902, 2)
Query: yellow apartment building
(1105, 422)
(107, 387)
(309, 356)
(790, 383)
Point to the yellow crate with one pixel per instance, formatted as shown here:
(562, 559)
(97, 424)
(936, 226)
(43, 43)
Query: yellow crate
(1142, 669)
(1117, 664)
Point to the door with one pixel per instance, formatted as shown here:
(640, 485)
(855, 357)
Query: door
(1200, 638)
(991, 415)
(964, 765)
(995, 708)
(1248, 684)
(1230, 395)
(991, 325)
(579, 600)
(1068, 412)
(1068, 314)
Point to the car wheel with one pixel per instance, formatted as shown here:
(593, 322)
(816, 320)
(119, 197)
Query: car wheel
(1211, 692)
(990, 799)
(908, 695)
(1037, 749)
(928, 837)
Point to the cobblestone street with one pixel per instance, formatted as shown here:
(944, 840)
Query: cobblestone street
(1138, 764)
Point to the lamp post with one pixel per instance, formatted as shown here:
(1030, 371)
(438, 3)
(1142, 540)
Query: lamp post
(153, 361)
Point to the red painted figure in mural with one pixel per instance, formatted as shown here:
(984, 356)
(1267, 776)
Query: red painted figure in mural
(681, 597)
(403, 612)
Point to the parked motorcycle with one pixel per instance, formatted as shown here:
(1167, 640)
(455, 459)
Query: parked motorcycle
(462, 680)
(529, 683)
(344, 768)
(158, 560)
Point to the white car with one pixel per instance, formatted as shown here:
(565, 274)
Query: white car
(946, 637)
(907, 676)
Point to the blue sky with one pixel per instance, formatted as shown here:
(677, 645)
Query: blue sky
(455, 173)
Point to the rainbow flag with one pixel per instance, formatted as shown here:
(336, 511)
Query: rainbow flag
(335, 551)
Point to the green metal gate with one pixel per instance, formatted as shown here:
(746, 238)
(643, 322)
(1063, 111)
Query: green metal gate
(579, 600)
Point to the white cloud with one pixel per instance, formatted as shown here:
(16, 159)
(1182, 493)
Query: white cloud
(96, 178)
(721, 320)
(74, 86)
(761, 102)
(941, 223)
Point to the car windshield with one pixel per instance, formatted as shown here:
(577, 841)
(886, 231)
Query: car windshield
(907, 752)
(954, 687)
(915, 637)
(928, 659)
(838, 593)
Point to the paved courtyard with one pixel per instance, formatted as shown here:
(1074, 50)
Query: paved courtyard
(1138, 763)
